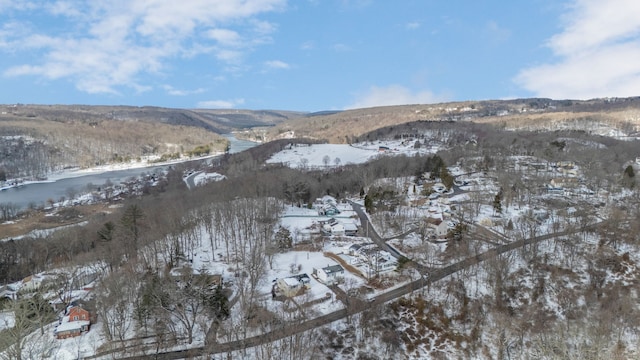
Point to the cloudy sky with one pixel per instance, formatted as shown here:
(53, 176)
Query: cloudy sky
(313, 55)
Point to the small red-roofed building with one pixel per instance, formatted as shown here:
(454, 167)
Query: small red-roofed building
(75, 323)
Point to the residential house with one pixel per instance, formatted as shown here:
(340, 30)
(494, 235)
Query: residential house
(566, 164)
(8, 292)
(333, 227)
(538, 166)
(350, 228)
(569, 172)
(289, 286)
(439, 227)
(75, 323)
(378, 261)
(330, 274)
(328, 210)
(351, 250)
(564, 182)
(327, 206)
(31, 283)
(304, 279)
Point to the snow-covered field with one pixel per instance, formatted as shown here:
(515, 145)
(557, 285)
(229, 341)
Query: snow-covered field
(331, 155)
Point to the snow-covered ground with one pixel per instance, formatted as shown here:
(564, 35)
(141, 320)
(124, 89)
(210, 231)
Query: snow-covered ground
(331, 155)
(7, 319)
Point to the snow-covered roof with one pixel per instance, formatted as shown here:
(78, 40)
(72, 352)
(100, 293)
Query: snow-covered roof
(71, 325)
(349, 226)
(333, 269)
(291, 282)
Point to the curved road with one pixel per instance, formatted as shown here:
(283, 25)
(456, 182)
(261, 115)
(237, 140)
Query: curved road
(293, 329)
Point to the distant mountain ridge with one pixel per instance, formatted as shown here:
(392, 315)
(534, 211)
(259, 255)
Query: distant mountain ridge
(219, 121)
(36, 140)
(618, 117)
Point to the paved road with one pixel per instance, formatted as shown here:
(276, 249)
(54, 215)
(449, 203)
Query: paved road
(371, 231)
(357, 307)
(190, 179)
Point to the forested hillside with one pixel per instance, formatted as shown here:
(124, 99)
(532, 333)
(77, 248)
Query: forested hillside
(39, 139)
(510, 241)
(615, 116)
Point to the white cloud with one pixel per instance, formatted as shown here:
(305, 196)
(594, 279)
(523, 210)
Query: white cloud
(220, 104)
(178, 92)
(7, 5)
(341, 47)
(225, 36)
(277, 64)
(394, 95)
(412, 25)
(596, 51)
(105, 46)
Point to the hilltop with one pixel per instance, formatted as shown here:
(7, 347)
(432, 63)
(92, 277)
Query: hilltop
(612, 116)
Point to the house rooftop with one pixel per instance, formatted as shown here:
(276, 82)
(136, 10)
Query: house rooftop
(291, 282)
(302, 277)
(67, 325)
(333, 269)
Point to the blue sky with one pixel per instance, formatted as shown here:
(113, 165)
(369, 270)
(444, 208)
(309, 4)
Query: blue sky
(313, 55)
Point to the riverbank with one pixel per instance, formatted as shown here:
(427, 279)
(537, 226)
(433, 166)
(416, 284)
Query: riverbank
(235, 145)
(78, 172)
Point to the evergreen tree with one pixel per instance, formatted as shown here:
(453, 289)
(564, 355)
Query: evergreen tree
(219, 304)
(368, 204)
(497, 202)
(131, 221)
(283, 238)
(105, 233)
(628, 177)
(446, 177)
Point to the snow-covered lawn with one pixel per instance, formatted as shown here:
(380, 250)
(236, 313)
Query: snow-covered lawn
(301, 262)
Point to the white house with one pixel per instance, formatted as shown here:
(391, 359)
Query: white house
(31, 283)
(350, 229)
(333, 227)
(330, 274)
(439, 227)
(289, 286)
